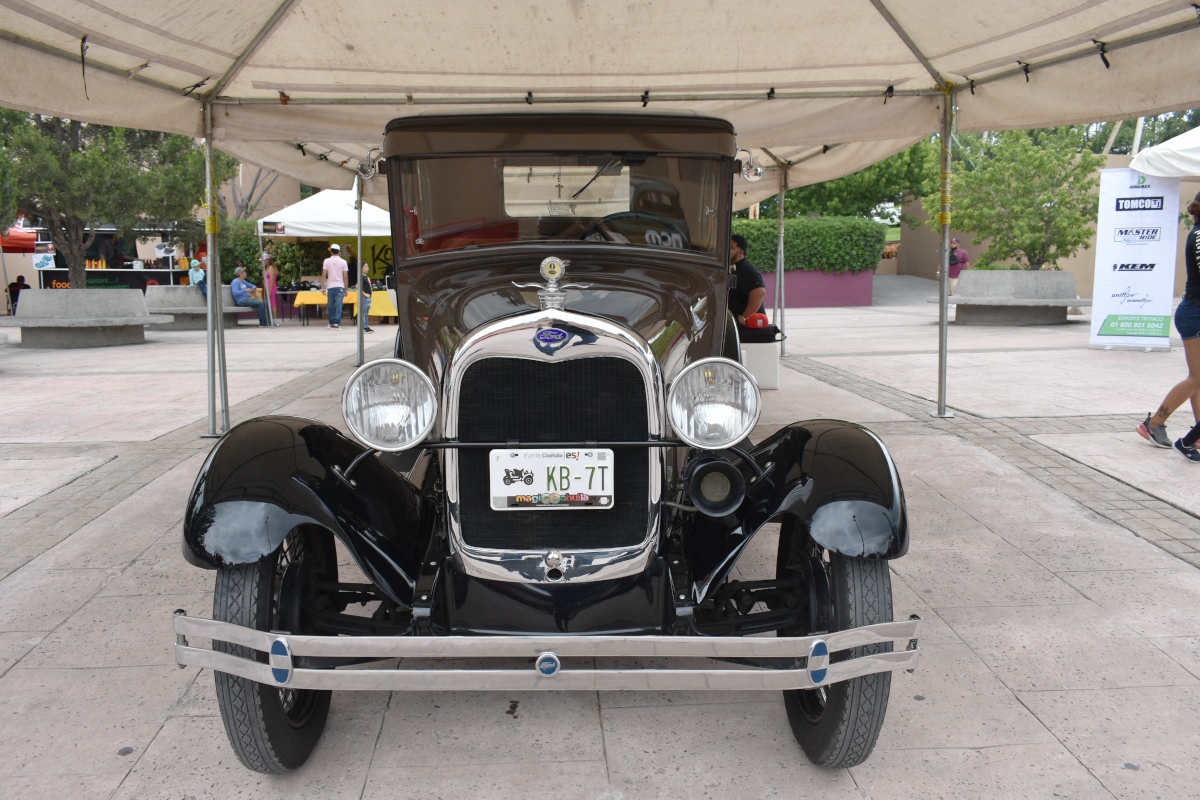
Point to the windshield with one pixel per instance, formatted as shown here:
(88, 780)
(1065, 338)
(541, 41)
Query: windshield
(629, 199)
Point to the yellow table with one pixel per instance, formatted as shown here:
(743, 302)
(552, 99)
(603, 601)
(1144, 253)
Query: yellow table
(381, 303)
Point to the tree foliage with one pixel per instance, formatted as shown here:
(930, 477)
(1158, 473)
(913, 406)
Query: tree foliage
(1156, 131)
(75, 176)
(1031, 193)
(8, 191)
(238, 247)
(908, 174)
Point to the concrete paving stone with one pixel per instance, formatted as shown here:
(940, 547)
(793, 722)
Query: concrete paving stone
(115, 632)
(1184, 650)
(1014, 771)
(39, 600)
(573, 780)
(191, 758)
(78, 719)
(14, 645)
(1063, 647)
(670, 752)
(62, 786)
(1141, 743)
(464, 728)
(954, 700)
(1159, 602)
(906, 602)
(1175, 547)
(1085, 547)
(160, 570)
(1002, 576)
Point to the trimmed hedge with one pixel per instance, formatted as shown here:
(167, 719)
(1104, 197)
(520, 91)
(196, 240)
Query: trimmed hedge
(827, 244)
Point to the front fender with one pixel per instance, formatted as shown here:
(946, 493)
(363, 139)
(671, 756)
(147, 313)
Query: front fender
(270, 475)
(836, 477)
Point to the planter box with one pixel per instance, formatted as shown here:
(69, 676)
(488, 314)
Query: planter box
(803, 289)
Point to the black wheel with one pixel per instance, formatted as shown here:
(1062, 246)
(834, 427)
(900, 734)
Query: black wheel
(529, 480)
(507, 481)
(837, 725)
(272, 730)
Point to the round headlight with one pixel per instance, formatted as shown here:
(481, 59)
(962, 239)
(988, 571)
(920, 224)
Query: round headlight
(390, 405)
(714, 404)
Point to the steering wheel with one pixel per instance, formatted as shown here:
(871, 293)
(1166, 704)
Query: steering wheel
(671, 226)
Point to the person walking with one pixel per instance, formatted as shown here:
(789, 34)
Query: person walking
(959, 260)
(244, 295)
(364, 303)
(198, 277)
(333, 284)
(1187, 322)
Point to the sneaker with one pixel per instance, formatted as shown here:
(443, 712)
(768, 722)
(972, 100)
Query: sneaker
(368, 330)
(339, 327)
(333, 327)
(1154, 434)
(1190, 453)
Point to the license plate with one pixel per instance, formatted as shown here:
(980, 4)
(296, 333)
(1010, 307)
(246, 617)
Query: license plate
(551, 479)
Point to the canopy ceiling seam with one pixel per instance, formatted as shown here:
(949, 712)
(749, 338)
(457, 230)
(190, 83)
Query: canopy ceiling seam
(99, 39)
(1089, 51)
(282, 11)
(908, 42)
(560, 99)
(51, 50)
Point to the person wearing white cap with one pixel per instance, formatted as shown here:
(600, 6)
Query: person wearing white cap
(333, 283)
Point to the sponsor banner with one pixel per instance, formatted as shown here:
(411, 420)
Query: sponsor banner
(109, 278)
(1136, 229)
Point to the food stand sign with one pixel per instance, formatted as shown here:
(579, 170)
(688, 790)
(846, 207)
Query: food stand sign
(1136, 232)
(272, 228)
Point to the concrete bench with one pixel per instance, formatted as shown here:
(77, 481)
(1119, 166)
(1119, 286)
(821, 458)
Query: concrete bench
(67, 318)
(188, 306)
(1014, 297)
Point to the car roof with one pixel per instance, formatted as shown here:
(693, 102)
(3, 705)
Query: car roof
(566, 132)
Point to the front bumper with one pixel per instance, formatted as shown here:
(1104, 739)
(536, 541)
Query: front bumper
(800, 662)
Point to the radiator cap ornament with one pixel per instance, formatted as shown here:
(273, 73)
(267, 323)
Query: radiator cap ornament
(553, 268)
(551, 296)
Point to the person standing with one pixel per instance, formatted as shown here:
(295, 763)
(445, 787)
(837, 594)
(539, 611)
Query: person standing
(1187, 322)
(333, 283)
(271, 285)
(198, 277)
(364, 305)
(244, 295)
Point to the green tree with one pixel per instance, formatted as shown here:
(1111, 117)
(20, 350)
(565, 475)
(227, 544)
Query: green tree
(238, 247)
(74, 176)
(908, 174)
(1156, 131)
(8, 191)
(1030, 192)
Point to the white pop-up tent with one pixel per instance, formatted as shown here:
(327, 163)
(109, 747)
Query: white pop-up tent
(818, 89)
(1174, 158)
(327, 213)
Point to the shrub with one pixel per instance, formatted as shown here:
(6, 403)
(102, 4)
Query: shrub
(238, 247)
(295, 260)
(826, 244)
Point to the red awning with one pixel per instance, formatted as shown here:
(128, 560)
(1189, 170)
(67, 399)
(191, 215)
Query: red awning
(18, 240)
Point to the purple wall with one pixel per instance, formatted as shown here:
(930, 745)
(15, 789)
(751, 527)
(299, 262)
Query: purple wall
(803, 289)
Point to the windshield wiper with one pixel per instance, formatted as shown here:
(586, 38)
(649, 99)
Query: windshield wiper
(599, 172)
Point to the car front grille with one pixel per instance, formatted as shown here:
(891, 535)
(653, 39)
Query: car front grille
(599, 399)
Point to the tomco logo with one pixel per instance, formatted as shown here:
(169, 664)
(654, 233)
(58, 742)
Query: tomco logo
(1137, 235)
(1133, 267)
(1139, 204)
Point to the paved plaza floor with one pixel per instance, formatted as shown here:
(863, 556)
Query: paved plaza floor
(1054, 555)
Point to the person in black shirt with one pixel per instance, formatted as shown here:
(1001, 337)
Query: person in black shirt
(14, 291)
(747, 296)
(1187, 322)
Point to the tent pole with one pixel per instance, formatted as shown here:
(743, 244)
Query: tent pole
(780, 305)
(362, 317)
(4, 267)
(213, 309)
(944, 138)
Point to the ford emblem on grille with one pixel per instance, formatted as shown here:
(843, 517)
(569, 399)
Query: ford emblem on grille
(547, 665)
(550, 335)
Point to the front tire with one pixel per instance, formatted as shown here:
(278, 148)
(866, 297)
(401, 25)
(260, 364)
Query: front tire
(271, 730)
(837, 725)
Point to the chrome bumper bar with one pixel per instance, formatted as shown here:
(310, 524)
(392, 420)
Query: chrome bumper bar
(548, 672)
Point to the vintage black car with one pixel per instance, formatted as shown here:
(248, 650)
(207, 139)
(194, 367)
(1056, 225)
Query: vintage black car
(512, 476)
(550, 324)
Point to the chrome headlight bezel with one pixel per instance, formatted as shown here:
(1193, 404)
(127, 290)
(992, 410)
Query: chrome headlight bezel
(680, 430)
(351, 384)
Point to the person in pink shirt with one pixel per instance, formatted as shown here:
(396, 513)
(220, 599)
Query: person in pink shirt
(333, 283)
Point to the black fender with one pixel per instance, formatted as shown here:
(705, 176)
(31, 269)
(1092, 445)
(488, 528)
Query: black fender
(837, 478)
(269, 475)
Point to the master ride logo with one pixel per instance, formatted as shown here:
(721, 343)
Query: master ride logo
(1137, 235)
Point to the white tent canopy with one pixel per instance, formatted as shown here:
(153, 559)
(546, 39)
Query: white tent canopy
(306, 87)
(327, 213)
(1174, 158)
